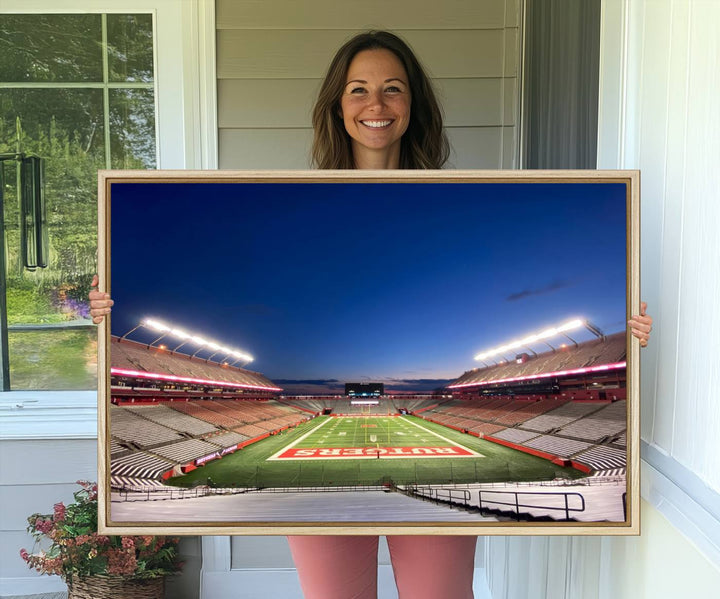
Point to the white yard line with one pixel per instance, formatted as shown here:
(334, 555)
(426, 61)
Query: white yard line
(298, 440)
(445, 439)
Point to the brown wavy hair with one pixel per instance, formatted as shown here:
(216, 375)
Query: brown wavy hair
(423, 146)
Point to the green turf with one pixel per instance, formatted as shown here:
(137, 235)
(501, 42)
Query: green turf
(371, 432)
(250, 467)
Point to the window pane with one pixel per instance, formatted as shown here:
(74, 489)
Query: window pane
(51, 118)
(65, 127)
(132, 128)
(53, 359)
(130, 47)
(50, 48)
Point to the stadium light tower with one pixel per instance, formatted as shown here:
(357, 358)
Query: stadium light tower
(189, 338)
(542, 336)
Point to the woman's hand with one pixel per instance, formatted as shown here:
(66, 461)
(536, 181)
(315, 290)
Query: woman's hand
(641, 325)
(100, 302)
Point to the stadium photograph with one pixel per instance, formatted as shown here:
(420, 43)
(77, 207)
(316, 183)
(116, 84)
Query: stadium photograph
(365, 353)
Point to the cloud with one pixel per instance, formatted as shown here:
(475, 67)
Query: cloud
(555, 285)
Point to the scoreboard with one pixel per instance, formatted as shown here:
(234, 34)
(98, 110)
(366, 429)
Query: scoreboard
(364, 389)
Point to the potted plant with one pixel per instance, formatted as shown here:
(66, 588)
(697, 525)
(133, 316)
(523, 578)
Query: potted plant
(96, 566)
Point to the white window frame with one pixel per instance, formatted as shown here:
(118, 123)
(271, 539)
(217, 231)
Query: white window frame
(186, 130)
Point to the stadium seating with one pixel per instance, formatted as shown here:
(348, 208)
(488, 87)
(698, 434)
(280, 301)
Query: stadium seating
(227, 439)
(126, 426)
(198, 409)
(602, 457)
(140, 465)
(558, 446)
(515, 435)
(139, 357)
(164, 415)
(560, 417)
(606, 422)
(609, 350)
(185, 451)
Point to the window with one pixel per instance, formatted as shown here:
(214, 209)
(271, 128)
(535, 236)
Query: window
(78, 91)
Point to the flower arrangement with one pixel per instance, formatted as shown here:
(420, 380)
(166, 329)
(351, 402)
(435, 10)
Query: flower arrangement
(77, 551)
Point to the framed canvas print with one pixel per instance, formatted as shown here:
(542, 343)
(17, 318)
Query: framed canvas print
(366, 352)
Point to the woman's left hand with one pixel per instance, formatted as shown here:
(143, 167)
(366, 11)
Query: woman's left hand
(641, 325)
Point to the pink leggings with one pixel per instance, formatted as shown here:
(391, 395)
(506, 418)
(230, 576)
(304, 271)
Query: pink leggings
(345, 567)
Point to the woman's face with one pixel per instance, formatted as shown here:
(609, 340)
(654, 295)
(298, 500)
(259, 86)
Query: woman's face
(375, 103)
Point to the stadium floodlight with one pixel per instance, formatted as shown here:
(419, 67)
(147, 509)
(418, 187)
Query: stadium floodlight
(187, 337)
(154, 324)
(571, 325)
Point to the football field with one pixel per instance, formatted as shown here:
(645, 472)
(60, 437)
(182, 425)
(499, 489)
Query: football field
(371, 450)
(372, 437)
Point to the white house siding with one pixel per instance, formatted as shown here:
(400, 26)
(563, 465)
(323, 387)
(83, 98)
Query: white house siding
(271, 58)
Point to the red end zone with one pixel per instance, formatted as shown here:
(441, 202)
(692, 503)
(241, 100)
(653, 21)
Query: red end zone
(374, 452)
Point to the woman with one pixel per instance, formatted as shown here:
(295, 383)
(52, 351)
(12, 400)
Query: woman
(377, 110)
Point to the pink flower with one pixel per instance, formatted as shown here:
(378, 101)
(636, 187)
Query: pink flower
(128, 543)
(53, 565)
(121, 562)
(24, 555)
(44, 526)
(59, 512)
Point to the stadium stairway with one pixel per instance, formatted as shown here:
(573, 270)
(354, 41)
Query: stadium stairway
(603, 500)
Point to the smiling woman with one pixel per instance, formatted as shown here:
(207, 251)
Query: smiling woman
(364, 108)
(375, 108)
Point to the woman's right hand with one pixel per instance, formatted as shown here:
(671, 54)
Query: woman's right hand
(100, 302)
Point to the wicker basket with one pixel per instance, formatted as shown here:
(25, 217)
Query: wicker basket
(116, 587)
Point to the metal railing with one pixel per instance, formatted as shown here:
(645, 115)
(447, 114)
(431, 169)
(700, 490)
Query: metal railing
(454, 496)
(164, 493)
(517, 505)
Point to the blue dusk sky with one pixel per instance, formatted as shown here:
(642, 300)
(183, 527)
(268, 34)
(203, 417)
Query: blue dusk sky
(403, 283)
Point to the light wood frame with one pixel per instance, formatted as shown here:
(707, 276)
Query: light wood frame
(631, 526)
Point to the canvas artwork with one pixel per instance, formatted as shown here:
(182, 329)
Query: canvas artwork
(369, 352)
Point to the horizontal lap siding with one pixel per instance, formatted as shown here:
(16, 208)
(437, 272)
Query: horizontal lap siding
(305, 54)
(339, 14)
(271, 60)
